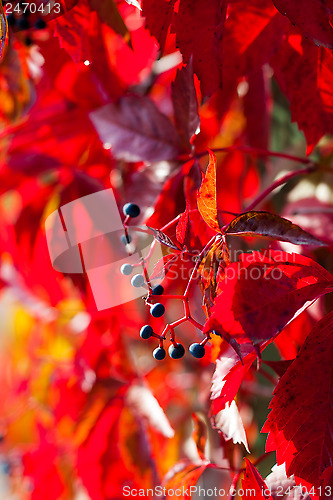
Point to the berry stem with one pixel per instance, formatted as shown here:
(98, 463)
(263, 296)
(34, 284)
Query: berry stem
(278, 183)
(195, 323)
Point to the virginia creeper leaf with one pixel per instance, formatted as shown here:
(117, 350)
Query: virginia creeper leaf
(207, 195)
(158, 14)
(270, 226)
(136, 130)
(185, 103)
(229, 422)
(253, 481)
(300, 421)
(283, 487)
(135, 3)
(198, 28)
(183, 226)
(108, 13)
(163, 238)
(142, 402)
(184, 475)
(304, 72)
(261, 293)
(211, 271)
(228, 375)
(313, 19)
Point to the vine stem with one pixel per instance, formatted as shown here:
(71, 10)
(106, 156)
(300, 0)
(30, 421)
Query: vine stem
(311, 168)
(257, 152)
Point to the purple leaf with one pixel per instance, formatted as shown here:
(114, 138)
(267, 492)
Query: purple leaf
(136, 130)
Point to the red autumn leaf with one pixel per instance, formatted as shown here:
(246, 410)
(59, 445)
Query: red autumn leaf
(199, 27)
(229, 422)
(261, 294)
(304, 73)
(185, 103)
(184, 475)
(313, 19)
(294, 334)
(108, 13)
(136, 130)
(254, 483)
(300, 421)
(185, 478)
(42, 467)
(158, 16)
(252, 33)
(256, 109)
(207, 195)
(229, 374)
(270, 226)
(182, 228)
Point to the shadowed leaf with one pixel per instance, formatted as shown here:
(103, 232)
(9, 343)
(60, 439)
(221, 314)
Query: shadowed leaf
(263, 292)
(136, 130)
(163, 238)
(270, 226)
(300, 422)
(254, 482)
(313, 19)
(185, 103)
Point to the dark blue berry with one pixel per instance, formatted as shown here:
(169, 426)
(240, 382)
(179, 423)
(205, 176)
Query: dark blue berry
(137, 280)
(158, 290)
(126, 269)
(131, 209)
(197, 350)
(126, 239)
(177, 351)
(40, 24)
(159, 353)
(146, 332)
(157, 310)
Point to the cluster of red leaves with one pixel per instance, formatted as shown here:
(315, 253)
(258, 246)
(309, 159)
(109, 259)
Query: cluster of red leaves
(111, 96)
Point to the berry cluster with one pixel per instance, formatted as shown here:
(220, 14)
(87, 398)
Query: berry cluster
(157, 309)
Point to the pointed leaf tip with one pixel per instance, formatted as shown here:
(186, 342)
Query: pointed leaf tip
(267, 225)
